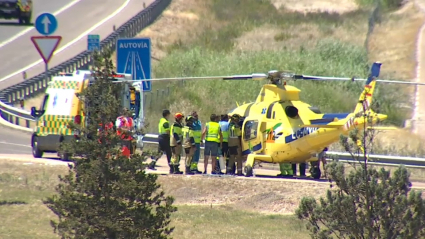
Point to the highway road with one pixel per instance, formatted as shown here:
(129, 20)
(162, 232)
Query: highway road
(10, 28)
(76, 19)
(75, 23)
(14, 142)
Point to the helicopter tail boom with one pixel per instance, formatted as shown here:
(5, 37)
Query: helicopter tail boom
(365, 99)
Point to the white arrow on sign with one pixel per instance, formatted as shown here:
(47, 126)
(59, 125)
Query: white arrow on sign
(46, 22)
(46, 45)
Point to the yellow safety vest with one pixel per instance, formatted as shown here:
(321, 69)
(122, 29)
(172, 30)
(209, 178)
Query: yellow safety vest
(213, 130)
(197, 135)
(234, 133)
(187, 134)
(178, 130)
(225, 135)
(161, 128)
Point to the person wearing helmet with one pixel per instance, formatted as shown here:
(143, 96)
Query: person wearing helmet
(125, 129)
(213, 140)
(197, 135)
(163, 140)
(235, 147)
(176, 142)
(188, 143)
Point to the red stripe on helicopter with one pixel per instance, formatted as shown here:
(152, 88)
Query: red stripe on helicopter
(368, 86)
(368, 94)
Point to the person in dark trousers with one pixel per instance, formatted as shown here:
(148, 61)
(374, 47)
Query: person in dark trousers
(302, 167)
(164, 139)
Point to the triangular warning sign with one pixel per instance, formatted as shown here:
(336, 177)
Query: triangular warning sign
(46, 45)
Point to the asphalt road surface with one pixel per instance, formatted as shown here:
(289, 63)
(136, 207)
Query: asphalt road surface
(13, 141)
(75, 23)
(10, 28)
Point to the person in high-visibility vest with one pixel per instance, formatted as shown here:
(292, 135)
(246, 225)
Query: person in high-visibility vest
(224, 150)
(213, 140)
(163, 140)
(197, 135)
(188, 143)
(235, 146)
(176, 142)
(125, 127)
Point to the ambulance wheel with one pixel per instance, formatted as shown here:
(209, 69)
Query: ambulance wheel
(248, 171)
(36, 152)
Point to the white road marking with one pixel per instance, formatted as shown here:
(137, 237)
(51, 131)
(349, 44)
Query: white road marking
(84, 34)
(2, 44)
(22, 145)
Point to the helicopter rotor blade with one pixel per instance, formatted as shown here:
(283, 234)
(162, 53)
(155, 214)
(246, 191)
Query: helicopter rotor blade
(327, 78)
(256, 76)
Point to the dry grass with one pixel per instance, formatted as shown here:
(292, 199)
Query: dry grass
(23, 186)
(398, 54)
(340, 6)
(207, 206)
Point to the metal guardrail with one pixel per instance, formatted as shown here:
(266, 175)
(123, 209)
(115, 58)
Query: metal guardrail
(382, 160)
(131, 28)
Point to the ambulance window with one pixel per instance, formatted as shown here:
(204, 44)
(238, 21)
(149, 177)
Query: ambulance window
(44, 103)
(250, 129)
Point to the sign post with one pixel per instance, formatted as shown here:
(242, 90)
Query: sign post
(46, 24)
(134, 57)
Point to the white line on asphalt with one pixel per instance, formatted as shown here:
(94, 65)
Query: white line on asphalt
(70, 43)
(2, 44)
(22, 145)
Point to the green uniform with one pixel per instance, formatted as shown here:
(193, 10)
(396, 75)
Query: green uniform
(286, 169)
(176, 142)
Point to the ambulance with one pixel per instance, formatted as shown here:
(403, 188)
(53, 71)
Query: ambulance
(61, 105)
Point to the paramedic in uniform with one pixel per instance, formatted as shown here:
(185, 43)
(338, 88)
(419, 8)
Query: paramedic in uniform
(188, 143)
(125, 126)
(163, 139)
(176, 143)
(235, 147)
(213, 140)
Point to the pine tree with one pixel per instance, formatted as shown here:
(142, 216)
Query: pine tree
(367, 202)
(105, 194)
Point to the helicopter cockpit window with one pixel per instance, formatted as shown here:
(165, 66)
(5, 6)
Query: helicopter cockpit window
(250, 129)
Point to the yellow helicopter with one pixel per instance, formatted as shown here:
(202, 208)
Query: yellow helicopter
(279, 128)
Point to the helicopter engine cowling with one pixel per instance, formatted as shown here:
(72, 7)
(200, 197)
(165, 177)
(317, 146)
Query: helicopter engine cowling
(291, 111)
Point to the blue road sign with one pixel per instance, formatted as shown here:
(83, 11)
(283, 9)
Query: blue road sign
(46, 24)
(134, 57)
(93, 42)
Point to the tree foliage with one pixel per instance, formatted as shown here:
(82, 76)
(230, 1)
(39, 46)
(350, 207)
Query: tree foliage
(367, 202)
(107, 195)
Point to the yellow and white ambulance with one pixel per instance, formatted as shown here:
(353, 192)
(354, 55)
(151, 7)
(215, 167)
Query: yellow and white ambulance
(61, 106)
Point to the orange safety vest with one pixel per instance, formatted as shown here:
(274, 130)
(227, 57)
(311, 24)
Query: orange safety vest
(125, 122)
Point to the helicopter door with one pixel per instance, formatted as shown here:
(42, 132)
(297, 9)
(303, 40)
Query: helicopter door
(251, 137)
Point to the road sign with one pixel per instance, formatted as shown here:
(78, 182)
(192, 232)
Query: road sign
(46, 24)
(46, 45)
(134, 57)
(93, 42)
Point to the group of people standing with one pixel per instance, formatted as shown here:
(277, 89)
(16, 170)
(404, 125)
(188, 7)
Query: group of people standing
(222, 139)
